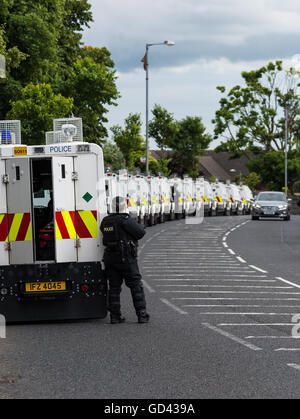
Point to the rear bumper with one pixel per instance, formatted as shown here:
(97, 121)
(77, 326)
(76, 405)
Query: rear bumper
(84, 298)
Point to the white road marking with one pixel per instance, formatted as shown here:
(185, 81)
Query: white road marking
(295, 366)
(221, 286)
(232, 292)
(236, 306)
(271, 337)
(287, 350)
(254, 324)
(246, 314)
(241, 259)
(232, 337)
(220, 274)
(231, 251)
(218, 280)
(236, 299)
(147, 286)
(288, 282)
(168, 303)
(258, 269)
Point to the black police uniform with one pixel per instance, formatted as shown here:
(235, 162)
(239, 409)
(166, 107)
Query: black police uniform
(120, 238)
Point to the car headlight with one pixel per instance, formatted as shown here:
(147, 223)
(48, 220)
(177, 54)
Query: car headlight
(282, 207)
(257, 206)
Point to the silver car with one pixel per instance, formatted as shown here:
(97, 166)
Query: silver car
(271, 204)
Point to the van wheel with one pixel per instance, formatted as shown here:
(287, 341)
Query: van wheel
(151, 220)
(161, 219)
(141, 220)
(179, 216)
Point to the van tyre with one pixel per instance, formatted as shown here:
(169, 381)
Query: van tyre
(151, 220)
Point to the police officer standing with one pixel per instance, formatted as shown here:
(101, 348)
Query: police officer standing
(120, 238)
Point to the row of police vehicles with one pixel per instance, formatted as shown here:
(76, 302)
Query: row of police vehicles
(151, 200)
(53, 198)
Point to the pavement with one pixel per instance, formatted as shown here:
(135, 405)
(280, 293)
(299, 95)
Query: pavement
(222, 297)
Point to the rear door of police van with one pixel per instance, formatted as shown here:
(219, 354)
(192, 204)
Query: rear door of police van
(19, 210)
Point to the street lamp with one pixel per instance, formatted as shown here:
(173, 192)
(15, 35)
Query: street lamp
(235, 171)
(146, 67)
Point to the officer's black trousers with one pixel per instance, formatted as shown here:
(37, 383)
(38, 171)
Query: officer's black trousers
(128, 272)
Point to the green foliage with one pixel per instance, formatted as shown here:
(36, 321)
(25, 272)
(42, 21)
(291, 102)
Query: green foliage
(113, 157)
(163, 167)
(252, 117)
(153, 165)
(37, 108)
(129, 140)
(252, 180)
(42, 44)
(92, 86)
(189, 144)
(270, 167)
(2, 42)
(163, 127)
(34, 28)
(77, 15)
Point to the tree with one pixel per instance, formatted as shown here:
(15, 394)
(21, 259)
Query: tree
(37, 108)
(189, 144)
(253, 117)
(113, 157)
(252, 180)
(77, 15)
(270, 167)
(34, 28)
(129, 140)
(163, 128)
(92, 85)
(42, 41)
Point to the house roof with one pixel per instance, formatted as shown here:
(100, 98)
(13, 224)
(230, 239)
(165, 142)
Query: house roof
(220, 165)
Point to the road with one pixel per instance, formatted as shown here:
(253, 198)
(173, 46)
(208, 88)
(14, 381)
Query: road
(221, 296)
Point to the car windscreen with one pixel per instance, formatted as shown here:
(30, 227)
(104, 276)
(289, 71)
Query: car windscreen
(266, 196)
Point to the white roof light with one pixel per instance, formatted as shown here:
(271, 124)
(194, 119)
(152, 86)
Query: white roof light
(69, 131)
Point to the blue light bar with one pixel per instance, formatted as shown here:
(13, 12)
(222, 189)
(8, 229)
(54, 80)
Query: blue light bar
(6, 137)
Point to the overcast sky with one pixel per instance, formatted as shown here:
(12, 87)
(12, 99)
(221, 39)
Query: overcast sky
(215, 41)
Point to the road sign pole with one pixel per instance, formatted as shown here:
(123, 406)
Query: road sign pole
(286, 153)
(2, 68)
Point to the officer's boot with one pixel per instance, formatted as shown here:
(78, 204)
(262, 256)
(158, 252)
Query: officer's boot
(143, 316)
(116, 318)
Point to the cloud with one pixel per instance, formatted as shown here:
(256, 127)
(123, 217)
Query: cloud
(187, 90)
(248, 30)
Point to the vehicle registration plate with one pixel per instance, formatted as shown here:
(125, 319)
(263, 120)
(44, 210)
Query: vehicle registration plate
(45, 286)
(269, 212)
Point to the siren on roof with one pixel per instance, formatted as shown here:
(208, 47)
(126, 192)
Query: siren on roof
(53, 137)
(10, 132)
(71, 128)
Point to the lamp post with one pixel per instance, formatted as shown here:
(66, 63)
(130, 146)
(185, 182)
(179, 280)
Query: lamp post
(2, 70)
(286, 153)
(146, 67)
(235, 171)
